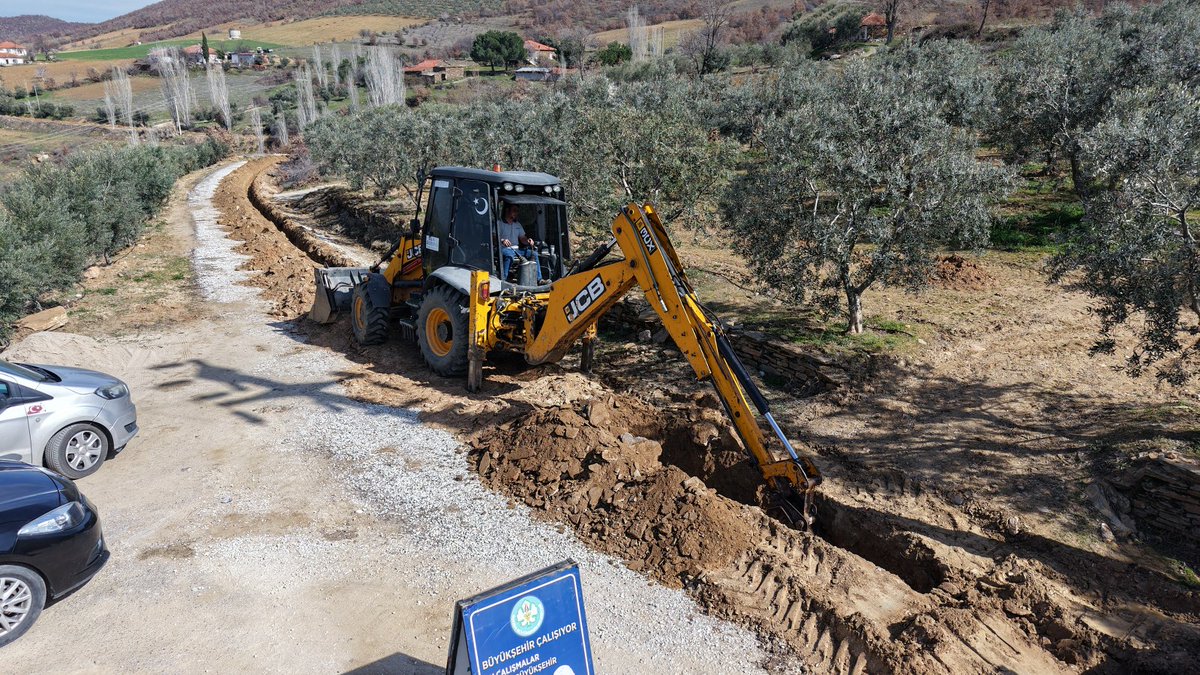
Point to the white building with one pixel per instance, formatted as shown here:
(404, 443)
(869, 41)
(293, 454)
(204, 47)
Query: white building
(12, 54)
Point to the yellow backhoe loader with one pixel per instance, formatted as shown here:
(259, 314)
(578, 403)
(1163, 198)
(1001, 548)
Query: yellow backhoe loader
(441, 285)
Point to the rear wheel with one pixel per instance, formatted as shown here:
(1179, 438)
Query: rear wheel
(369, 322)
(77, 451)
(442, 331)
(22, 596)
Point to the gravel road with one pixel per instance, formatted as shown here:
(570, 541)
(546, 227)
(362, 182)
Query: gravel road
(263, 521)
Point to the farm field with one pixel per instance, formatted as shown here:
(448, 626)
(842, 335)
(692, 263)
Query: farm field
(61, 71)
(141, 51)
(673, 32)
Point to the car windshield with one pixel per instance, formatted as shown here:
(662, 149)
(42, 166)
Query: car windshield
(24, 371)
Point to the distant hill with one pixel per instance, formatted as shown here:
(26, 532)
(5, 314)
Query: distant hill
(22, 28)
(174, 18)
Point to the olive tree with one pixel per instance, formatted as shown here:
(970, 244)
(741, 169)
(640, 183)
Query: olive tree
(859, 183)
(1137, 249)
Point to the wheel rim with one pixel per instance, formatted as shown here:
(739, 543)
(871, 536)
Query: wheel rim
(83, 450)
(360, 312)
(16, 599)
(439, 331)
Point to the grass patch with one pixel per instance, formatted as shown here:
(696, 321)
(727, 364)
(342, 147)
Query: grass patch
(108, 291)
(1037, 216)
(1184, 574)
(881, 335)
(142, 50)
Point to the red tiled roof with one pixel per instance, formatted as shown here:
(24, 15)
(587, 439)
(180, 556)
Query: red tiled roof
(10, 45)
(537, 46)
(195, 49)
(873, 19)
(427, 64)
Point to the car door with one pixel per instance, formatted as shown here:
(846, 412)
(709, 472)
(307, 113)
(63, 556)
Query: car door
(14, 424)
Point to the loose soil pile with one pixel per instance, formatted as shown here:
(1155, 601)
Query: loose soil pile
(956, 273)
(900, 578)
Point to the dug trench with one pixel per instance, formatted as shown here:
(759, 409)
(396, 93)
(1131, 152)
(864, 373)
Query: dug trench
(894, 579)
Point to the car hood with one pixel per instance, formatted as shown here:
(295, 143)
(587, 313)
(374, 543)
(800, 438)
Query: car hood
(26, 492)
(78, 380)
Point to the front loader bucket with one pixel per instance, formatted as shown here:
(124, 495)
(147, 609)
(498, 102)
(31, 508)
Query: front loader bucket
(335, 288)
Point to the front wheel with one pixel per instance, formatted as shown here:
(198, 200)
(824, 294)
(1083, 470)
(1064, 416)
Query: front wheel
(22, 596)
(77, 451)
(442, 331)
(369, 322)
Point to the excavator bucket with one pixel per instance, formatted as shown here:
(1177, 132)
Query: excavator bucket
(335, 288)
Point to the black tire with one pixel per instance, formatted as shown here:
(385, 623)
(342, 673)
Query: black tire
(25, 606)
(77, 451)
(370, 323)
(446, 350)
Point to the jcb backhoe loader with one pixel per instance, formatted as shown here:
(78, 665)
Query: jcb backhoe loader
(441, 285)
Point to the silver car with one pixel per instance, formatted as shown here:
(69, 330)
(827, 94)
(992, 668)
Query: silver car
(67, 419)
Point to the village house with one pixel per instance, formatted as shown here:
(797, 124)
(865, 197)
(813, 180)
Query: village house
(12, 54)
(539, 54)
(872, 27)
(192, 55)
(432, 71)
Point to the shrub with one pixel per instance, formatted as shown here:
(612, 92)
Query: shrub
(56, 219)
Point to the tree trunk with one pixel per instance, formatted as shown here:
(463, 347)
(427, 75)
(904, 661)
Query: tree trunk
(854, 313)
(986, 4)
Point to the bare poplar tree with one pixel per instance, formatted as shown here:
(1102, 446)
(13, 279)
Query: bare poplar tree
(637, 33)
(256, 122)
(301, 118)
(318, 65)
(123, 95)
(176, 84)
(281, 129)
(385, 77)
(110, 108)
(336, 60)
(218, 94)
(305, 99)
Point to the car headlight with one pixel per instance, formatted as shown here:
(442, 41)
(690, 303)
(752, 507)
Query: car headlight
(61, 519)
(113, 391)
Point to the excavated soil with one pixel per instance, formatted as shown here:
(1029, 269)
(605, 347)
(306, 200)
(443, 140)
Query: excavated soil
(900, 576)
(957, 273)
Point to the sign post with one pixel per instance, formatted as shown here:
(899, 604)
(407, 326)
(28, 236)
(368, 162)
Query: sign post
(535, 624)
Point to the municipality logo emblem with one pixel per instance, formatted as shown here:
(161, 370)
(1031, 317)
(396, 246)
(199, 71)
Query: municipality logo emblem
(527, 616)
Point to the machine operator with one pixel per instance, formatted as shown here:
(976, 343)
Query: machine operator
(514, 242)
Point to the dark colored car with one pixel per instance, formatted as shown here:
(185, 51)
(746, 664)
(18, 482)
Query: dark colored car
(50, 543)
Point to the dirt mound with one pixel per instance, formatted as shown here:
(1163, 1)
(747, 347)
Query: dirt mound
(878, 600)
(956, 273)
(588, 467)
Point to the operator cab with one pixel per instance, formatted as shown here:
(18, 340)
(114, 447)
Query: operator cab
(462, 222)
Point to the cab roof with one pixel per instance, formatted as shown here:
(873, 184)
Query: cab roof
(496, 177)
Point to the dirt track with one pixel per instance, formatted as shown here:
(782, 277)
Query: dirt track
(903, 577)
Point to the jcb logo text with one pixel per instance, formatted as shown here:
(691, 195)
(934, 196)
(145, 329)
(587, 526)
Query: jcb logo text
(584, 299)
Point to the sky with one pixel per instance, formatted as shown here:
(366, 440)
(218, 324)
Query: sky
(72, 10)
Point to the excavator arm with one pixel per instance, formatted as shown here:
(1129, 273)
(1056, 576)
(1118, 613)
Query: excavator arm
(650, 261)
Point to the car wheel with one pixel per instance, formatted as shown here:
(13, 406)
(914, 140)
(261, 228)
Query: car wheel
(77, 451)
(22, 596)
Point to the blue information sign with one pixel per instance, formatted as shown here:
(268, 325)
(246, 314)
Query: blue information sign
(533, 625)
